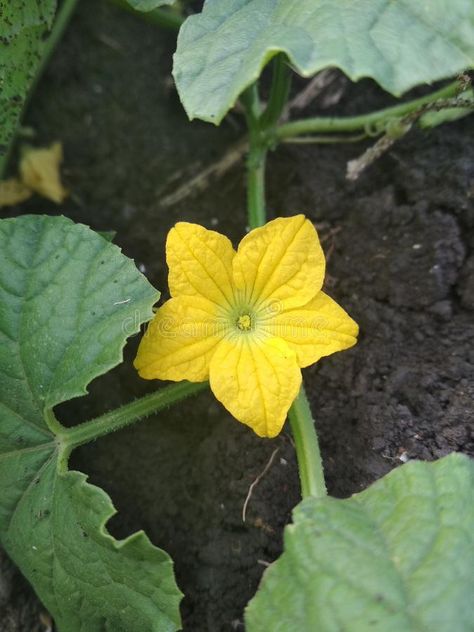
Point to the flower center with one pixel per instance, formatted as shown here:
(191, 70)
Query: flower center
(244, 322)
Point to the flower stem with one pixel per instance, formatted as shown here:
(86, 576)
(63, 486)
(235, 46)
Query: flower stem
(302, 425)
(364, 121)
(310, 464)
(256, 187)
(90, 430)
(256, 159)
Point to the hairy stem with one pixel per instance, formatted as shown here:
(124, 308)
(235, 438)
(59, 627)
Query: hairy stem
(363, 122)
(90, 430)
(306, 441)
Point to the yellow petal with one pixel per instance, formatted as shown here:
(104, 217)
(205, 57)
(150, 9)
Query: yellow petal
(257, 380)
(39, 170)
(180, 341)
(315, 330)
(13, 191)
(282, 263)
(200, 263)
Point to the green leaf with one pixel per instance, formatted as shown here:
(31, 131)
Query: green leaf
(398, 556)
(24, 28)
(68, 301)
(401, 44)
(148, 5)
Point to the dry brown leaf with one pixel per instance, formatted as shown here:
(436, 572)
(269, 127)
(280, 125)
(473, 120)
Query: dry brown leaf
(39, 170)
(13, 191)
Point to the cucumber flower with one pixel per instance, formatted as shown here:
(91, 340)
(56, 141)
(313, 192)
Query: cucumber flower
(247, 321)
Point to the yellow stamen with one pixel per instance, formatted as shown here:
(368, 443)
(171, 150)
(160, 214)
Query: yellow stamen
(244, 322)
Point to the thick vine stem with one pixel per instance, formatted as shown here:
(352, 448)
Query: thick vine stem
(88, 431)
(363, 122)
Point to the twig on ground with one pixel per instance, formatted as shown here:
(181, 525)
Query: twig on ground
(236, 152)
(264, 563)
(358, 165)
(331, 232)
(312, 91)
(200, 182)
(256, 482)
(46, 621)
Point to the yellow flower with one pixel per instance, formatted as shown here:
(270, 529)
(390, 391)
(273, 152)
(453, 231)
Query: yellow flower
(246, 320)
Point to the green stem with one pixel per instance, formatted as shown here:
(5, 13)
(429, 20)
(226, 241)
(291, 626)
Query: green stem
(90, 430)
(253, 109)
(325, 140)
(256, 159)
(165, 18)
(302, 424)
(364, 121)
(256, 187)
(279, 92)
(60, 24)
(307, 448)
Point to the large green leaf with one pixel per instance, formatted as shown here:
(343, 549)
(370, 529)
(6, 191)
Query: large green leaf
(399, 43)
(24, 26)
(396, 557)
(68, 301)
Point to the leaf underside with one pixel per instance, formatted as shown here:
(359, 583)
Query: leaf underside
(401, 44)
(397, 556)
(24, 28)
(68, 301)
(148, 5)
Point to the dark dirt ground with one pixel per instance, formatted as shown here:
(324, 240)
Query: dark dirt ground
(401, 260)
